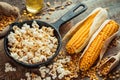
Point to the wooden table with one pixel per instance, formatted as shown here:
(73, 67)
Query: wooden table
(113, 7)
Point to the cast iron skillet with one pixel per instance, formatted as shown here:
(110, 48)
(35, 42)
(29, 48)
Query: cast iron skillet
(72, 13)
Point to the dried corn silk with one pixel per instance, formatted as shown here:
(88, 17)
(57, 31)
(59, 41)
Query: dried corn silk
(98, 44)
(85, 29)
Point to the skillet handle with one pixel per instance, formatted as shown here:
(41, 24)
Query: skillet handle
(72, 13)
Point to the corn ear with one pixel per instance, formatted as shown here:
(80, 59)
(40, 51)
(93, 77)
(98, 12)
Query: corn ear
(91, 54)
(84, 30)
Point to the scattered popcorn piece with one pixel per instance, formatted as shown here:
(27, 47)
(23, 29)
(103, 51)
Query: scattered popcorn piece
(43, 71)
(52, 9)
(47, 17)
(68, 2)
(8, 67)
(22, 79)
(48, 4)
(49, 12)
(32, 76)
(62, 7)
(47, 78)
(35, 25)
(55, 70)
(67, 59)
(66, 72)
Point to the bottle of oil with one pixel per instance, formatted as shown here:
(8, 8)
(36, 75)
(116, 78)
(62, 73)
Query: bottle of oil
(34, 6)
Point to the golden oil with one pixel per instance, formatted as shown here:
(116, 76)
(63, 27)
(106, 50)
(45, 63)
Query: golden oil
(34, 6)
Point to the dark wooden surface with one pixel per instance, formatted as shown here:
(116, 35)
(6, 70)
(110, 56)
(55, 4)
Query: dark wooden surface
(113, 7)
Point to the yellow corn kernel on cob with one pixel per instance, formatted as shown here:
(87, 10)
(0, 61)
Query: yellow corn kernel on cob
(94, 49)
(80, 36)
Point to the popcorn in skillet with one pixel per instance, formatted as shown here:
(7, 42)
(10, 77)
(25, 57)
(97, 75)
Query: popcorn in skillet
(31, 44)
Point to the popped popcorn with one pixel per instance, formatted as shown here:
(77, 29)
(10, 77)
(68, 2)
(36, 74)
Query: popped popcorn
(61, 69)
(43, 71)
(47, 78)
(31, 44)
(55, 70)
(8, 67)
(32, 76)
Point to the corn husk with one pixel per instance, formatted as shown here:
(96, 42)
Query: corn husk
(98, 20)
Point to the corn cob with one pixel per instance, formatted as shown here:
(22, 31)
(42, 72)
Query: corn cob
(93, 51)
(80, 36)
